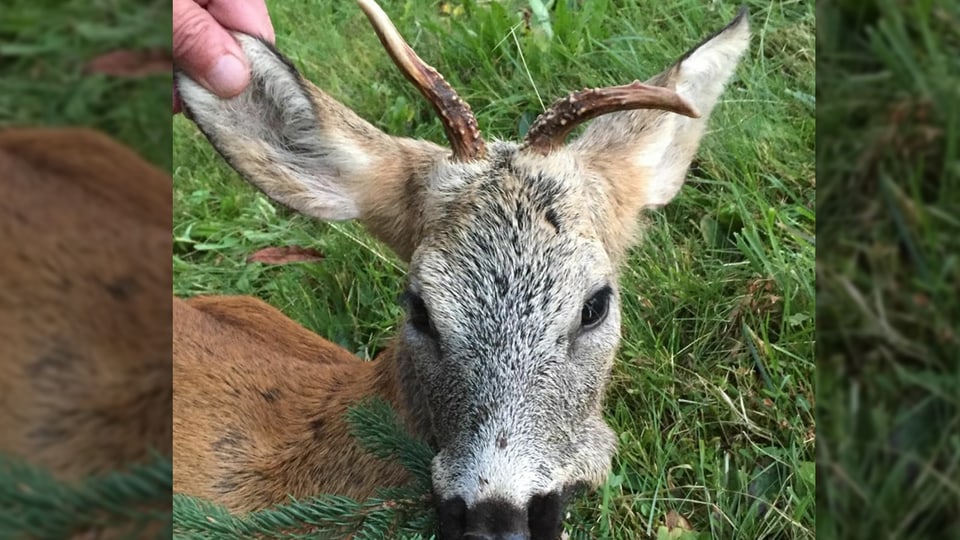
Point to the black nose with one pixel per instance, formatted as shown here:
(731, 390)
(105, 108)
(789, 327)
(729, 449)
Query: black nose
(496, 519)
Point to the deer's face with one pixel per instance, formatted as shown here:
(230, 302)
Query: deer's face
(513, 323)
(513, 313)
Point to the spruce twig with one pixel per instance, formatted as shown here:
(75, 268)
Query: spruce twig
(34, 504)
(380, 432)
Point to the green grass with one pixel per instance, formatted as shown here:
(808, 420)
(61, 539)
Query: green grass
(889, 196)
(712, 393)
(44, 47)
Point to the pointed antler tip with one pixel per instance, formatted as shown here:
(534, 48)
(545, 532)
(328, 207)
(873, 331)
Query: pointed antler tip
(459, 123)
(552, 127)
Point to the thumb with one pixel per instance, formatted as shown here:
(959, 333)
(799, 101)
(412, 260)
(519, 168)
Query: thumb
(206, 52)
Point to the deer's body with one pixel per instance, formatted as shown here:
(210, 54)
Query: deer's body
(512, 310)
(85, 370)
(260, 407)
(85, 380)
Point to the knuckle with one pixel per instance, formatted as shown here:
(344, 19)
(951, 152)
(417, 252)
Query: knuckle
(192, 39)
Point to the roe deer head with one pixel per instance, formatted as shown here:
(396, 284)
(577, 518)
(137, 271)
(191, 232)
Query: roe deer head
(513, 316)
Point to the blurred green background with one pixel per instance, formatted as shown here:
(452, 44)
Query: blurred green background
(45, 46)
(888, 260)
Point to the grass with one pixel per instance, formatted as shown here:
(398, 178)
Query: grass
(889, 195)
(44, 48)
(713, 389)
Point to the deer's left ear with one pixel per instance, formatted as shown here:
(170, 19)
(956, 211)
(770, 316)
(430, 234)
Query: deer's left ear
(641, 156)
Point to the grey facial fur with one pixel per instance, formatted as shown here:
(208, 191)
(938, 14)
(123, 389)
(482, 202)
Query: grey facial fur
(512, 382)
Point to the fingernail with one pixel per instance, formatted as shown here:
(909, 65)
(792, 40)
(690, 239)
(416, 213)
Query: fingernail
(229, 76)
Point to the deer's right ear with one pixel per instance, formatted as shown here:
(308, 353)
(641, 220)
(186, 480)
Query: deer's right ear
(311, 153)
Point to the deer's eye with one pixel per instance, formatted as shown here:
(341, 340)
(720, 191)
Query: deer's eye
(595, 309)
(418, 315)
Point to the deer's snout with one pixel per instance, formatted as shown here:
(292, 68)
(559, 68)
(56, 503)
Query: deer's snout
(495, 519)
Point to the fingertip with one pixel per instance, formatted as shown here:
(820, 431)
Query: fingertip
(228, 76)
(271, 35)
(204, 49)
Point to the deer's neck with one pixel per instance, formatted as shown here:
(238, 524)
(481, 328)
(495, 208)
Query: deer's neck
(314, 441)
(265, 403)
(397, 383)
(336, 387)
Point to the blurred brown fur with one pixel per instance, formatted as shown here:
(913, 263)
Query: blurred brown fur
(85, 370)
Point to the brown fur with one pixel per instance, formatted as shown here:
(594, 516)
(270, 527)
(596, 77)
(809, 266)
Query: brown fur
(85, 382)
(259, 407)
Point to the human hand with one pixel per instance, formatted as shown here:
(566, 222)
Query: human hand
(204, 49)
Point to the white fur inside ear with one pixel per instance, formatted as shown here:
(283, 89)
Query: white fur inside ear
(703, 75)
(271, 135)
(651, 154)
(705, 72)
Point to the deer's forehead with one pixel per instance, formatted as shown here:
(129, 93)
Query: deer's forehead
(516, 237)
(512, 193)
(510, 228)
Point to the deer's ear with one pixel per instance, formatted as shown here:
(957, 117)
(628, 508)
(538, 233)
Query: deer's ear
(642, 156)
(311, 153)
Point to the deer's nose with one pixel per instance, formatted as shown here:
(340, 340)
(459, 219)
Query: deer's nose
(486, 520)
(497, 519)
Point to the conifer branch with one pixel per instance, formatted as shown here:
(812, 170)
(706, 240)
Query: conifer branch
(34, 504)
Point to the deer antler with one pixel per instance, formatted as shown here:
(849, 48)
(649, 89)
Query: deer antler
(552, 127)
(458, 121)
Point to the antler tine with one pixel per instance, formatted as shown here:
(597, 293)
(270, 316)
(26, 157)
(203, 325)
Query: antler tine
(552, 127)
(458, 121)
